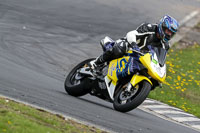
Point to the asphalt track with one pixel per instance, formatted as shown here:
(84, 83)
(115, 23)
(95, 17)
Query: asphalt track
(41, 40)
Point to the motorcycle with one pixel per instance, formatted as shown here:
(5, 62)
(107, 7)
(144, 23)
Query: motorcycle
(125, 93)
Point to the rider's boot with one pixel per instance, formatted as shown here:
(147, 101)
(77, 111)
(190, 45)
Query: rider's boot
(95, 63)
(105, 57)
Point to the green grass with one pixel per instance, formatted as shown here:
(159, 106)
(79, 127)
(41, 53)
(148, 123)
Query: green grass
(19, 118)
(198, 25)
(183, 78)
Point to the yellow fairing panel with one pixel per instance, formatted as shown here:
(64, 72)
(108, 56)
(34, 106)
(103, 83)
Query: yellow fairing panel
(112, 70)
(146, 61)
(117, 65)
(138, 78)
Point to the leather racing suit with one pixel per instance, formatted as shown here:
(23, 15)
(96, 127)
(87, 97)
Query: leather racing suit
(144, 35)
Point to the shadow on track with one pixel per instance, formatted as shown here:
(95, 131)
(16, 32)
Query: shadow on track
(95, 103)
(131, 113)
(85, 100)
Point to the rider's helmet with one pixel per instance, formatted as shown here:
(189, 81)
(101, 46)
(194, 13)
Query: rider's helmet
(167, 28)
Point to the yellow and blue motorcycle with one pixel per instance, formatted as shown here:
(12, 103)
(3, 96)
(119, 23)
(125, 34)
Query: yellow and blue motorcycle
(125, 93)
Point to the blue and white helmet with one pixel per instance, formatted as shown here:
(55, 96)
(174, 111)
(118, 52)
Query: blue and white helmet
(167, 28)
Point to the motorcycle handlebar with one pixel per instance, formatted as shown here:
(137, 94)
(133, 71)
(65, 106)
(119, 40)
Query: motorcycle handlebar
(138, 52)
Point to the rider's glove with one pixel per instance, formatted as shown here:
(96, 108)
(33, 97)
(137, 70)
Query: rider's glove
(134, 46)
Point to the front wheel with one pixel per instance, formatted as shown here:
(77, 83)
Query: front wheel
(76, 85)
(125, 101)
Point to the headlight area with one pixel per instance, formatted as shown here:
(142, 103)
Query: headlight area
(161, 71)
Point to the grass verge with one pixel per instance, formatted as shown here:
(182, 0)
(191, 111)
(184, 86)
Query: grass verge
(183, 77)
(19, 118)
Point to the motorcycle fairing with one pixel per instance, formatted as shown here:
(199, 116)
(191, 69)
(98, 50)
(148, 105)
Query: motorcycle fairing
(122, 65)
(119, 66)
(138, 78)
(111, 85)
(154, 70)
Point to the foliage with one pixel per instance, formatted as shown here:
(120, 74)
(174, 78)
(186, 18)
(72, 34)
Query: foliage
(183, 80)
(19, 118)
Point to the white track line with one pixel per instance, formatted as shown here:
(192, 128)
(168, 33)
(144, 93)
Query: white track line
(184, 29)
(188, 17)
(184, 119)
(155, 106)
(196, 126)
(149, 101)
(171, 112)
(161, 106)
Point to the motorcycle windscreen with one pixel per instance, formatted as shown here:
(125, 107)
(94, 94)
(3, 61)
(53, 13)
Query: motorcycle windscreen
(161, 54)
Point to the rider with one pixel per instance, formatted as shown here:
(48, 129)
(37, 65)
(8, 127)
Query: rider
(146, 34)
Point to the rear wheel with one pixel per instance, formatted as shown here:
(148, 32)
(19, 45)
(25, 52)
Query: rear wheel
(125, 100)
(75, 84)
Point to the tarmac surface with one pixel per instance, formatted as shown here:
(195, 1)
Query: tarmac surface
(41, 40)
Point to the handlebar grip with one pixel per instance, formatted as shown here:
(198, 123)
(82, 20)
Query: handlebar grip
(140, 53)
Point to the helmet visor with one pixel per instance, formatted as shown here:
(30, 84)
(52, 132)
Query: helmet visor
(168, 33)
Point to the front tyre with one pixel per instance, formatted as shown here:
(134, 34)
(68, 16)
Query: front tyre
(76, 86)
(125, 101)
